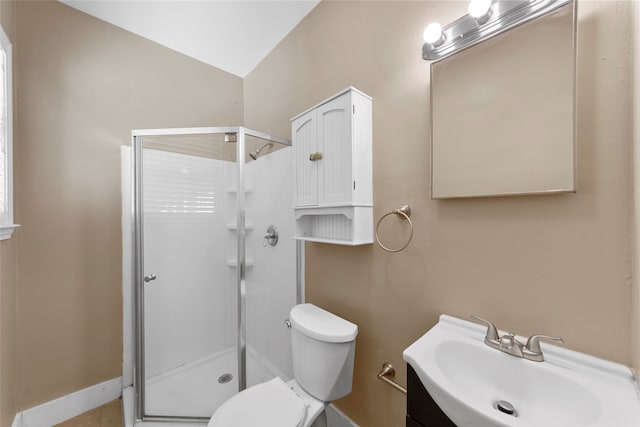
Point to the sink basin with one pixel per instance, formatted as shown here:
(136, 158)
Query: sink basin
(467, 379)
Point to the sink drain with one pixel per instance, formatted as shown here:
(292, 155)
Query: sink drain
(505, 407)
(225, 378)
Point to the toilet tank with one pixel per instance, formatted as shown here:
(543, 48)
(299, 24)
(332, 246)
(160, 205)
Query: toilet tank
(323, 349)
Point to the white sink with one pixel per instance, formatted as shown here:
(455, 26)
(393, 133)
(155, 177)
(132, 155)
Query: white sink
(466, 378)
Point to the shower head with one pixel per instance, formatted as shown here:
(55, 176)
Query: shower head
(255, 153)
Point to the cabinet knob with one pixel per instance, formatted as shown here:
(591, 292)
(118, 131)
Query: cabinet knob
(315, 156)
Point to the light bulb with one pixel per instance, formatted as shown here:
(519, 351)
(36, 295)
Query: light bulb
(479, 9)
(433, 34)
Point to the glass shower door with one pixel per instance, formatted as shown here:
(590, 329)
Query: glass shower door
(189, 294)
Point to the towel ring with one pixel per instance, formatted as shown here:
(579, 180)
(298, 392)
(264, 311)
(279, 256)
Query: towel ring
(404, 211)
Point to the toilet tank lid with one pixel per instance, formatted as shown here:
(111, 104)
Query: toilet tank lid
(322, 325)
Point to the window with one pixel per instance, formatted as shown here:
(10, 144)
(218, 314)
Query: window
(6, 138)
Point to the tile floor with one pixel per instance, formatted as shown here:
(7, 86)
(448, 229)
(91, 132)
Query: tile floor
(109, 415)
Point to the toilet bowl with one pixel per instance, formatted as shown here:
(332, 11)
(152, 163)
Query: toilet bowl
(270, 404)
(323, 349)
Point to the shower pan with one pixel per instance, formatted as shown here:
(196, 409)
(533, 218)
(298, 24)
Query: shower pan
(204, 298)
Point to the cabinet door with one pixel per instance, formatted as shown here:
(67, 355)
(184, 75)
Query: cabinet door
(305, 184)
(420, 405)
(335, 143)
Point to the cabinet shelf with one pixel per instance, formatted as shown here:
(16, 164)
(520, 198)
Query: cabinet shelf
(344, 225)
(234, 189)
(233, 263)
(233, 226)
(332, 241)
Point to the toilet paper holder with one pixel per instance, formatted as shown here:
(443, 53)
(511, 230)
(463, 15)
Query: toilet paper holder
(387, 374)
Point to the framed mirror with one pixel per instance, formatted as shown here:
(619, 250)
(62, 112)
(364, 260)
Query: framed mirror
(503, 112)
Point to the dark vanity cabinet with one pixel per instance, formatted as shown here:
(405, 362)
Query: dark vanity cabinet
(422, 411)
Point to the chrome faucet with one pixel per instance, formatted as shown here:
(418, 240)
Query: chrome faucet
(508, 343)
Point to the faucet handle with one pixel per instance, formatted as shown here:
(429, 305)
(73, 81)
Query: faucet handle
(492, 331)
(533, 343)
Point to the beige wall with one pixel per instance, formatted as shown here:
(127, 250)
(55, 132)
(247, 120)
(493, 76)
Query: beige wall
(8, 283)
(556, 265)
(635, 318)
(83, 85)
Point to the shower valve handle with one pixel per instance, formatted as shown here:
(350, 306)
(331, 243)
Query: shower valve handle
(271, 236)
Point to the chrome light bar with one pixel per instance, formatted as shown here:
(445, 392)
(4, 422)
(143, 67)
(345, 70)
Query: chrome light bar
(501, 16)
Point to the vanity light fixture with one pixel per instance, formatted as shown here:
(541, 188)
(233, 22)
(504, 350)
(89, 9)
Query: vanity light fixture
(433, 34)
(480, 10)
(486, 18)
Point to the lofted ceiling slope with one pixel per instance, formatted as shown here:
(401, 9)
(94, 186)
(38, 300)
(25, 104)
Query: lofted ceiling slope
(233, 35)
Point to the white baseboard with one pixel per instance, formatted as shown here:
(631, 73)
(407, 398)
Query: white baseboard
(336, 418)
(69, 406)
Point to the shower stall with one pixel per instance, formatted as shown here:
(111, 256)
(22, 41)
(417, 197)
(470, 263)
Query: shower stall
(210, 268)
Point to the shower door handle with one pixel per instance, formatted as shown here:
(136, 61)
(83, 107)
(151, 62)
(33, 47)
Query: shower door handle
(149, 278)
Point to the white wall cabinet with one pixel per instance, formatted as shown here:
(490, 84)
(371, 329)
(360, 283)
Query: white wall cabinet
(333, 183)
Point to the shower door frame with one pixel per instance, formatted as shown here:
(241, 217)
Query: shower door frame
(137, 137)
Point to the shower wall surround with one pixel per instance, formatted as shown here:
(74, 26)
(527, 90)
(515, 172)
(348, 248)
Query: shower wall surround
(271, 281)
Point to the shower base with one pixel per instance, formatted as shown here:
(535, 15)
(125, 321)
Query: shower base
(193, 390)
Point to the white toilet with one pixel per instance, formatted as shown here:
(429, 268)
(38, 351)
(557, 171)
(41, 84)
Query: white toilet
(323, 348)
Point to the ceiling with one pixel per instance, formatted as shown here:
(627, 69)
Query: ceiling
(233, 35)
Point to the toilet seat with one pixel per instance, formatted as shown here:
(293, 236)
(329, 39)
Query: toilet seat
(270, 404)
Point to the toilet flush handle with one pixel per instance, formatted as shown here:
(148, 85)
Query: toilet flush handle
(288, 323)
